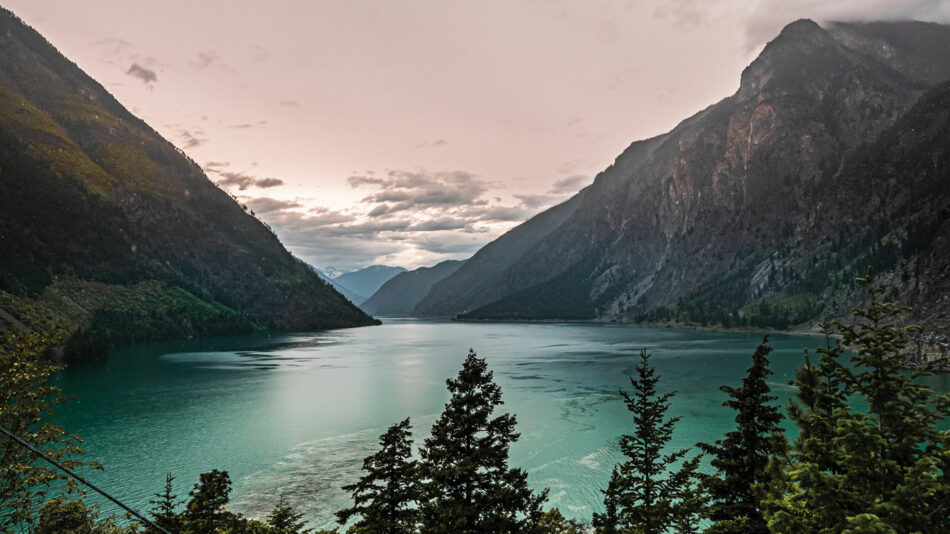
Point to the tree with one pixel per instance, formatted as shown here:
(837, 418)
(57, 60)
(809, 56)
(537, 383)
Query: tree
(651, 492)
(60, 516)
(163, 508)
(553, 522)
(468, 486)
(384, 497)
(284, 520)
(881, 467)
(27, 403)
(208, 498)
(741, 458)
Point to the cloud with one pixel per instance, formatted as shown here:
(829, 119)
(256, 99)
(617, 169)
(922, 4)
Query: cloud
(768, 17)
(570, 184)
(147, 76)
(407, 190)
(213, 166)
(245, 125)
(408, 218)
(243, 181)
(535, 201)
(685, 14)
(437, 142)
(205, 59)
(192, 138)
(268, 205)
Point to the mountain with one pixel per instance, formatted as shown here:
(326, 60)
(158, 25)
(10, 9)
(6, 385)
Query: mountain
(399, 296)
(758, 210)
(472, 285)
(110, 234)
(364, 282)
(326, 277)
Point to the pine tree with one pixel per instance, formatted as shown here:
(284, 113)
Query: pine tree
(284, 520)
(742, 457)
(163, 508)
(884, 467)
(384, 497)
(651, 492)
(208, 498)
(468, 486)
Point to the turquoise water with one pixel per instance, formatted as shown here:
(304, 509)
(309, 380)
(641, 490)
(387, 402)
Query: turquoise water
(295, 414)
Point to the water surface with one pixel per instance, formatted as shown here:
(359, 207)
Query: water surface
(295, 414)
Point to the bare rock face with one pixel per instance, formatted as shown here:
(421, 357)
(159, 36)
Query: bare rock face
(725, 218)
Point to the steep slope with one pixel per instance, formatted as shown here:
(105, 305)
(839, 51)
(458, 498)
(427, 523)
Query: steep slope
(350, 296)
(366, 281)
(112, 234)
(704, 214)
(470, 286)
(399, 296)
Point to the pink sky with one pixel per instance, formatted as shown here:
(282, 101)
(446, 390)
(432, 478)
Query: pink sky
(409, 132)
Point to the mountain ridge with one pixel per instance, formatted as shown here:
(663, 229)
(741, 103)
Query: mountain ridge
(726, 193)
(111, 234)
(401, 293)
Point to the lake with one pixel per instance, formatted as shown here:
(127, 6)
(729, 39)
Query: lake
(294, 414)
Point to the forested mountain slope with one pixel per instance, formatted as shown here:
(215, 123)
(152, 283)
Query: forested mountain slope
(112, 234)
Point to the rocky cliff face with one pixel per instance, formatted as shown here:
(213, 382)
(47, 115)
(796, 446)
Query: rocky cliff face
(699, 224)
(111, 234)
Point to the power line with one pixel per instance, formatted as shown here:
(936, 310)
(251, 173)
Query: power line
(69, 472)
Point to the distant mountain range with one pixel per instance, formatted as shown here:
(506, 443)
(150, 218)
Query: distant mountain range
(109, 234)
(366, 281)
(759, 210)
(400, 295)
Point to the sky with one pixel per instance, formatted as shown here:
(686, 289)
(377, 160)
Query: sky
(414, 131)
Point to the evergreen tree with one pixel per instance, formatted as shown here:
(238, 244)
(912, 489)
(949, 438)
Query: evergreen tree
(468, 486)
(608, 522)
(384, 497)
(651, 492)
(208, 498)
(284, 520)
(163, 508)
(882, 468)
(553, 522)
(742, 457)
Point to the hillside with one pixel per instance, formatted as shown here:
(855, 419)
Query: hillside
(112, 235)
(364, 282)
(400, 295)
(471, 286)
(728, 218)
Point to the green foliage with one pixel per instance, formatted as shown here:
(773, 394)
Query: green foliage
(468, 486)
(552, 522)
(885, 468)
(385, 497)
(741, 458)
(27, 402)
(284, 520)
(60, 516)
(163, 508)
(205, 510)
(651, 492)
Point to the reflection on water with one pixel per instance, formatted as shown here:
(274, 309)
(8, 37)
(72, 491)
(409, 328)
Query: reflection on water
(294, 415)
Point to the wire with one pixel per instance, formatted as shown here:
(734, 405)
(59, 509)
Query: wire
(69, 472)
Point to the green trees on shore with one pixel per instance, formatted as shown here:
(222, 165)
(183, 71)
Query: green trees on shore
(462, 483)
(870, 455)
(869, 458)
(650, 492)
